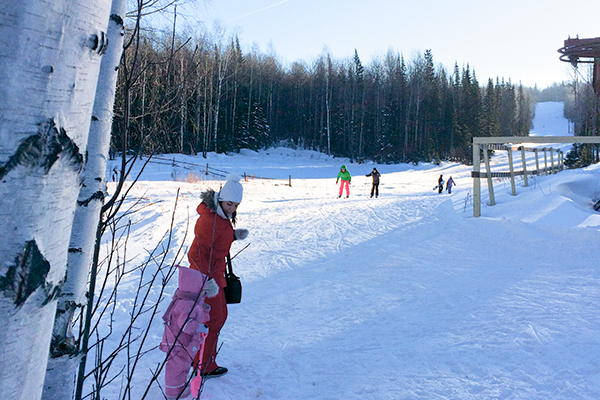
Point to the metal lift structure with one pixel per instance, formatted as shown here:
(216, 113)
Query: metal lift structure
(577, 51)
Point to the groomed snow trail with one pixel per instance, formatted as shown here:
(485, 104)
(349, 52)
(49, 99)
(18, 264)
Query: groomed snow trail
(402, 297)
(431, 306)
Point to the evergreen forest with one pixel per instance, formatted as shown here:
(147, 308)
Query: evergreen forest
(200, 94)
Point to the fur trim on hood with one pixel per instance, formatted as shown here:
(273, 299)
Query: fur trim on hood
(209, 198)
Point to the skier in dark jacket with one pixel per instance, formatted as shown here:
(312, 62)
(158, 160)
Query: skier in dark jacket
(440, 185)
(375, 187)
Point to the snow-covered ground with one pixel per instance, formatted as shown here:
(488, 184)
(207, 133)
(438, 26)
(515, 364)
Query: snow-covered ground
(406, 296)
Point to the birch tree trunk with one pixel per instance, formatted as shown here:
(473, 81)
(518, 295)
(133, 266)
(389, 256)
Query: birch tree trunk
(222, 61)
(49, 60)
(64, 352)
(328, 91)
(207, 107)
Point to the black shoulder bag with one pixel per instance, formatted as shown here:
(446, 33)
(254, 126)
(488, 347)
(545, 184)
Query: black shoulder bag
(233, 290)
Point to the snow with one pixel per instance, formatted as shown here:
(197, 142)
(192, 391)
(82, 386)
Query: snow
(406, 296)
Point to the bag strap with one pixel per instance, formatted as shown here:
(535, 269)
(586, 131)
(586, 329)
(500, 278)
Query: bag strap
(229, 266)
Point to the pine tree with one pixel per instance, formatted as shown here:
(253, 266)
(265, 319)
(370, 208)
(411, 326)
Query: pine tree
(524, 117)
(490, 117)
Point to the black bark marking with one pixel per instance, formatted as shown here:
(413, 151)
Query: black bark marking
(99, 43)
(64, 344)
(99, 195)
(43, 149)
(117, 18)
(27, 275)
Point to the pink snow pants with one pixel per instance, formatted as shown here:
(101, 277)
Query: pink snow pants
(347, 184)
(176, 371)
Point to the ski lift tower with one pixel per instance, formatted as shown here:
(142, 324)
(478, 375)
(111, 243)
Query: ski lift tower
(577, 51)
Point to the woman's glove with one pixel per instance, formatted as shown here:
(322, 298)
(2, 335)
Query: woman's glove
(240, 234)
(211, 289)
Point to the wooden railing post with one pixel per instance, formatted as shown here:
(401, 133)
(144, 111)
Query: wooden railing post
(476, 182)
(512, 171)
(490, 183)
(525, 182)
(561, 161)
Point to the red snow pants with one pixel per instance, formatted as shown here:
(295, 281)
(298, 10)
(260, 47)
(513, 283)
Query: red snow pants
(218, 316)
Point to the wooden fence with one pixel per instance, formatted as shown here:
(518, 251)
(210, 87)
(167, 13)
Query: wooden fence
(509, 143)
(208, 170)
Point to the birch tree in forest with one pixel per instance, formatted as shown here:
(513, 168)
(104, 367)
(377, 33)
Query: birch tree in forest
(51, 54)
(65, 350)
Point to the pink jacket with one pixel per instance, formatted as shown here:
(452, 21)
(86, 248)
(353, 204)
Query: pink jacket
(185, 317)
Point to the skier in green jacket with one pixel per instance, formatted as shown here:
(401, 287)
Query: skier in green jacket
(344, 175)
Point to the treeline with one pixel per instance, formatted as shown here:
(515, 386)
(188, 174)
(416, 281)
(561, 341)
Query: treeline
(203, 94)
(582, 109)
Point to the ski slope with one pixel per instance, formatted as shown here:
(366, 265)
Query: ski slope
(406, 296)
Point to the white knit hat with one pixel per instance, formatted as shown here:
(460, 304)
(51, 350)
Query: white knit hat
(232, 190)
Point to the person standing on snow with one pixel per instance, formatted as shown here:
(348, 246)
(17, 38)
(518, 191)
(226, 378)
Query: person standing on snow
(344, 175)
(375, 187)
(440, 185)
(449, 185)
(185, 327)
(214, 234)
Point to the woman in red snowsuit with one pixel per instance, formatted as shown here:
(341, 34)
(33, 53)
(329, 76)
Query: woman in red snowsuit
(214, 234)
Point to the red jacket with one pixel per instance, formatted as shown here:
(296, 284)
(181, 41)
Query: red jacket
(213, 236)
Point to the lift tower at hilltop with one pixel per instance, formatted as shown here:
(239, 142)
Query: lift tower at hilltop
(583, 51)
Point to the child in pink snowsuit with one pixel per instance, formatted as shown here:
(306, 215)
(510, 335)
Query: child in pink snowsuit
(184, 323)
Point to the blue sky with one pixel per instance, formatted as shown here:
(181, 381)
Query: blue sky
(510, 39)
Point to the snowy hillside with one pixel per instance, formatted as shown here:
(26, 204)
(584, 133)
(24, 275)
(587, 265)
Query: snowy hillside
(406, 296)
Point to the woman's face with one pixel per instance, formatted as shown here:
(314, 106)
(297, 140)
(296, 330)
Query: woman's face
(229, 207)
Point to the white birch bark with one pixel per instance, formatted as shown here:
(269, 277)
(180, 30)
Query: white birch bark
(49, 60)
(222, 62)
(64, 358)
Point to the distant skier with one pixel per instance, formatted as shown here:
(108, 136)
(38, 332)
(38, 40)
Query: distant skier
(344, 175)
(440, 185)
(449, 185)
(375, 187)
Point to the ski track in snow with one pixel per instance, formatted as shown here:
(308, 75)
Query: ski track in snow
(405, 296)
(328, 340)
